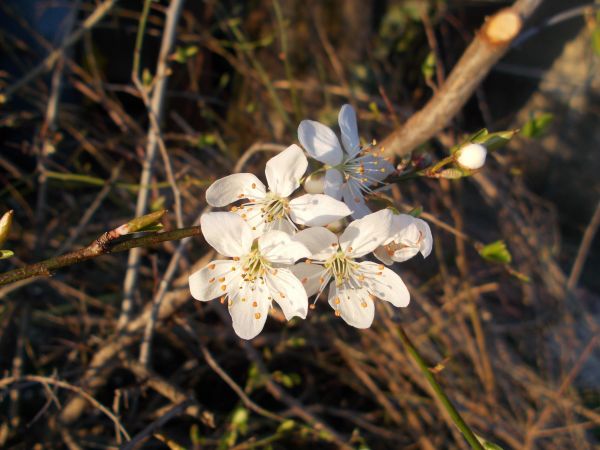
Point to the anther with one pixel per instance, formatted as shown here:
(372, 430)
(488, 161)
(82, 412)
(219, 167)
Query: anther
(257, 316)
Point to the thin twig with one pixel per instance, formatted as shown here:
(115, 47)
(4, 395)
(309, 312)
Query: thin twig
(488, 46)
(584, 248)
(7, 381)
(155, 112)
(102, 10)
(101, 246)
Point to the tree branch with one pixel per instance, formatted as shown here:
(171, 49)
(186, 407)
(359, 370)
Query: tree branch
(488, 46)
(105, 244)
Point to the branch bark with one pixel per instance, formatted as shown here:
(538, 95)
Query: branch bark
(105, 244)
(488, 46)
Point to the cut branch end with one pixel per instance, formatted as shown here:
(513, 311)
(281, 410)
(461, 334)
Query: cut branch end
(502, 27)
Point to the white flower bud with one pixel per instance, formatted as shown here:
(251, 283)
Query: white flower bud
(472, 156)
(315, 183)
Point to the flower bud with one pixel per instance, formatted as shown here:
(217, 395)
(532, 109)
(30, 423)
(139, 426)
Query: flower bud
(5, 223)
(472, 156)
(314, 183)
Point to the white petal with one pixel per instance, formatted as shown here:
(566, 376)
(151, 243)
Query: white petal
(334, 181)
(385, 284)
(320, 142)
(310, 276)
(321, 242)
(347, 121)
(278, 247)
(252, 215)
(382, 255)
(355, 305)
(353, 197)
(404, 253)
(288, 292)
(213, 280)
(427, 239)
(365, 235)
(227, 233)
(233, 188)
(283, 225)
(315, 210)
(285, 170)
(249, 310)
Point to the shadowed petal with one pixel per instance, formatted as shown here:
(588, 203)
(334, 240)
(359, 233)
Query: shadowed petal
(285, 170)
(234, 187)
(320, 142)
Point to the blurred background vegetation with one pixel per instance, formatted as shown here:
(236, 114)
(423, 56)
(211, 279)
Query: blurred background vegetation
(513, 338)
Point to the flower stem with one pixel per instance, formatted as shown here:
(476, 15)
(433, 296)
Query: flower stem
(103, 245)
(439, 391)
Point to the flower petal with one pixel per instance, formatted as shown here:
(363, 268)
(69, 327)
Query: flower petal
(249, 310)
(285, 170)
(278, 247)
(354, 305)
(426, 239)
(334, 181)
(353, 197)
(365, 235)
(315, 210)
(384, 283)
(382, 255)
(288, 292)
(213, 280)
(234, 187)
(319, 241)
(404, 253)
(309, 275)
(320, 142)
(347, 121)
(227, 233)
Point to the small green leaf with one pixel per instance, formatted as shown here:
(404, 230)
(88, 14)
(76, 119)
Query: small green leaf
(487, 445)
(496, 140)
(416, 212)
(145, 223)
(478, 136)
(452, 174)
(147, 77)
(496, 252)
(428, 67)
(596, 40)
(6, 254)
(286, 425)
(182, 54)
(537, 125)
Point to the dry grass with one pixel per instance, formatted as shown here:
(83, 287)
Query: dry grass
(519, 359)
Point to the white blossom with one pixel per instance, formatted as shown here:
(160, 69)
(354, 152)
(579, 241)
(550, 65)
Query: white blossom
(352, 284)
(409, 236)
(472, 156)
(254, 277)
(271, 208)
(350, 173)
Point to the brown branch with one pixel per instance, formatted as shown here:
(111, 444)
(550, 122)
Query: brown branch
(102, 246)
(488, 46)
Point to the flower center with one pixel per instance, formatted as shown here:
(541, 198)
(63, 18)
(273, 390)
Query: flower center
(274, 208)
(341, 268)
(254, 266)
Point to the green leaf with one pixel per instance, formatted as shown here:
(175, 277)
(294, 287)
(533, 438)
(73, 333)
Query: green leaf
(428, 67)
(478, 136)
(596, 40)
(6, 254)
(416, 212)
(496, 140)
(537, 125)
(149, 222)
(452, 174)
(496, 252)
(286, 425)
(487, 445)
(182, 54)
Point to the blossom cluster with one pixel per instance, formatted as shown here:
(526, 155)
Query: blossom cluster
(281, 247)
